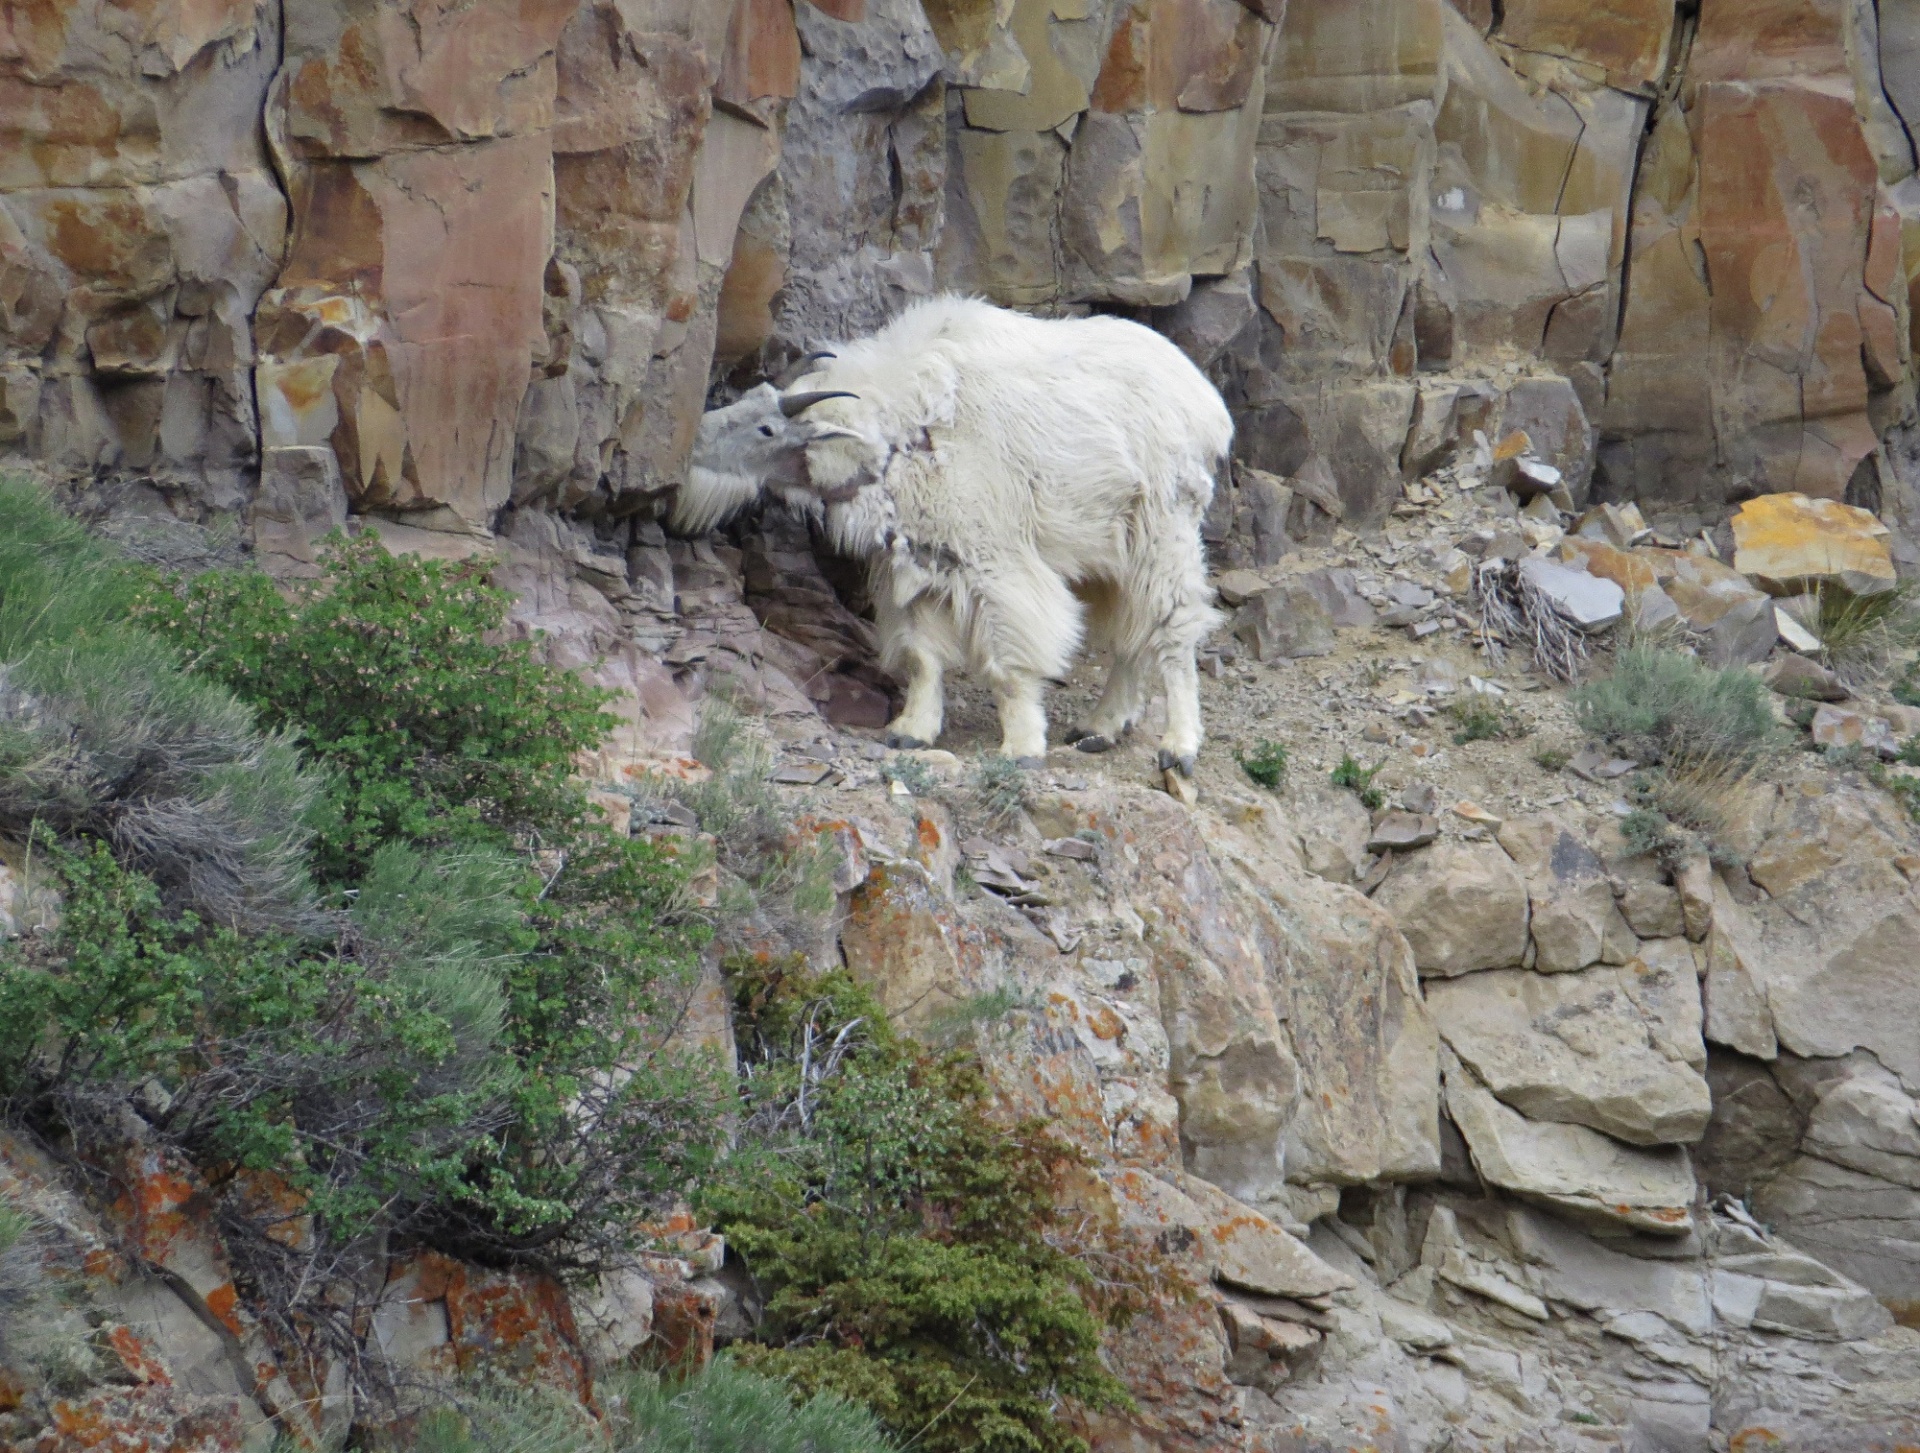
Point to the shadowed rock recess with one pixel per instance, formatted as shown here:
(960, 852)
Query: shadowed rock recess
(1476, 1129)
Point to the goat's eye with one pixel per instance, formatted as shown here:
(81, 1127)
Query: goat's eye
(767, 429)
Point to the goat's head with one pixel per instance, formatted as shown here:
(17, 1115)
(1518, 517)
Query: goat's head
(808, 447)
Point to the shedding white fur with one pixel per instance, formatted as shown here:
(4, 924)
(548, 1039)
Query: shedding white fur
(1020, 487)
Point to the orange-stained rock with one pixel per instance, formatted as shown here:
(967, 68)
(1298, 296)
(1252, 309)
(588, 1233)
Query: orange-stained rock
(1791, 544)
(1628, 40)
(366, 79)
(762, 59)
(406, 319)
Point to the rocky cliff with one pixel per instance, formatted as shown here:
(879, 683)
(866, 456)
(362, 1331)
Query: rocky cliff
(1501, 1134)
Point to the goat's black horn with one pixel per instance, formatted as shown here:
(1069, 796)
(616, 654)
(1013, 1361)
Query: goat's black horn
(799, 369)
(791, 404)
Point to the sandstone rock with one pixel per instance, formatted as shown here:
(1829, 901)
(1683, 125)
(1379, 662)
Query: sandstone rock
(903, 942)
(1573, 919)
(1581, 1049)
(1237, 1245)
(1832, 948)
(1285, 621)
(1332, 828)
(1339, 592)
(1806, 680)
(1589, 602)
(1790, 544)
(1402, 832)
(1462, 907)
(1577, 1170)
(1237, 587)
(1653, 910)
(1362, 1037)
(1835, 726)
(1735, 1010)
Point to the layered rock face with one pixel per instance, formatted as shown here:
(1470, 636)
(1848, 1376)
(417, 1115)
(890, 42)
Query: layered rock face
(1439, 1149)
(436, 262)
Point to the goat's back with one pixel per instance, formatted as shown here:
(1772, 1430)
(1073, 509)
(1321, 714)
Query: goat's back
(1076, 427)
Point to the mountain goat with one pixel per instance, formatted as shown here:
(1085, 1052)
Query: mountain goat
(1016, 485)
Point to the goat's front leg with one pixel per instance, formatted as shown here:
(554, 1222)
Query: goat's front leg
(1181, 745)
(921, 719)
(1023, 718)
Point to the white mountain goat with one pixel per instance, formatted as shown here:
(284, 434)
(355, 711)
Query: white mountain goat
(1016, 485)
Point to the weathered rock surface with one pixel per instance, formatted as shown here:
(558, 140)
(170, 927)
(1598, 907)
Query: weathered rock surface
(1615, 1049)
(1462, 907)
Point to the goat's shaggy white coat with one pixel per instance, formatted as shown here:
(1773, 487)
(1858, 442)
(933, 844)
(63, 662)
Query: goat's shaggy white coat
(1018, 486)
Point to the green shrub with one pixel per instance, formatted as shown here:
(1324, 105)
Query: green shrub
(1265, 765)
(1552, 759)
(723, 1408)
(727, 1409)
(1660, 706)
(433, 730)
(1000, 786)
(468, 1038)
(910, 1246)
(1482, 718)
(911, 773)
(1359, 780)
(103, 735)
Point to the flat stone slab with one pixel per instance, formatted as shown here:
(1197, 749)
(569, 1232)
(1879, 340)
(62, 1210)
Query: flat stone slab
(1617, 1049)
(1589, 602)
(1790, 543)
(1580, 1171)
(1403, 831)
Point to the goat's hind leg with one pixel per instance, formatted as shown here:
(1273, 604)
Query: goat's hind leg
(1118, 709)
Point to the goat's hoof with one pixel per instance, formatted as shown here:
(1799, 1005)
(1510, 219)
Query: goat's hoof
(1095, 743)
(1030, 764)
(901, 742)
(1171, 763)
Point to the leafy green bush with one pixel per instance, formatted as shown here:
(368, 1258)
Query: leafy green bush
(467, 1039)
(727, 1409)
(389, 667)
(1481, 718)
(1000, 786)
(1664, 707)
(723, 1408)
(102, 735)
(1359, 780)
(1265, 765)
(910, 1246)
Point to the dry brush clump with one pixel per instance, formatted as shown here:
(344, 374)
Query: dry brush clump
(1700, 735)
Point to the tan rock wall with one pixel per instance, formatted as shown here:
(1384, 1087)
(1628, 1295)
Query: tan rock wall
(488, 255)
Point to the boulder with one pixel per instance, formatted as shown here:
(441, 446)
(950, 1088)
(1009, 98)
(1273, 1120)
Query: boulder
(1616, 1049)
(1589, 1176)
(1734, 1002)
(1285, 621)
(1403, 831)
(1573, 916)
(1462, 906)
(1791, 544)
(1837, 726)
(1332, 829)
(1362, 1036)
(1571, 1167)
(1589, 602)
(1797, 677)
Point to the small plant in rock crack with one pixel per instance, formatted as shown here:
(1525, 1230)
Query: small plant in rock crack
(911, 773)
(1359, 781)
(1266, 764)
(1552, 759)
(1481, 718)
(1001, 786)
